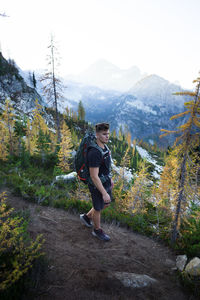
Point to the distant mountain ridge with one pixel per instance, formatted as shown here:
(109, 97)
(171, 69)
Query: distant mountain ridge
(107, 76)
(143, 109)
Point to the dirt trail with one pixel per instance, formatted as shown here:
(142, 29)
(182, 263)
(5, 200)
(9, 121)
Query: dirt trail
(78, 263)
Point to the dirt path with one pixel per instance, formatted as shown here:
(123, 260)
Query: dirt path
(78, 263)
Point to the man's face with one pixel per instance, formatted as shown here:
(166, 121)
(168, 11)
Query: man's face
(103, 136)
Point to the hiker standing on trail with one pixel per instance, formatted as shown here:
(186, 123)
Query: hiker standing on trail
(99, 166)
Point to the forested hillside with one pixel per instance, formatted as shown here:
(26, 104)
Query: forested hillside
(33, 151)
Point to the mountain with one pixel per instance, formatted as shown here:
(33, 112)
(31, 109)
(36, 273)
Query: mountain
(158, 91)
(14, 87)
(143, 110)
(107, 76)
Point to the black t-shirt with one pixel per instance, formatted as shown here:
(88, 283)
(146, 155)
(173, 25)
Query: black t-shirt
(95, 160)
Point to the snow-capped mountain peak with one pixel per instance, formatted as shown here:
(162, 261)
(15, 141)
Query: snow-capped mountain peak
(106, 75)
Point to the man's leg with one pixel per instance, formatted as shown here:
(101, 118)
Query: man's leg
(96, 218)
(90, 213)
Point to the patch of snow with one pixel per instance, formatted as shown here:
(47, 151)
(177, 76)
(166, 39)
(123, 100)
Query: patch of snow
(123, 172)
(144, 154)
(68, 177)
(140, 105)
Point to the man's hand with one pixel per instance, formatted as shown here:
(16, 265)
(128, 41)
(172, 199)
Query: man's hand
(106, 198)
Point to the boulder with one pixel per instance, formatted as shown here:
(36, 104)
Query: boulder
(133, 280)
(181, 261)
(193, 267)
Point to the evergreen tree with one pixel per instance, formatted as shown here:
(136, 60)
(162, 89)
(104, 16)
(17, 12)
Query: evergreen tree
(187, 141)
(120, 133)
(20, 133)
(53, 87)
(43, 145)
(81, 111)
(34, 80)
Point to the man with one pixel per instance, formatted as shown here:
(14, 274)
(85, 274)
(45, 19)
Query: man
(100, 192)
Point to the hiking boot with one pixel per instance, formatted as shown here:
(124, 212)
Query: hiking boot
(85, 220)
(101, 235)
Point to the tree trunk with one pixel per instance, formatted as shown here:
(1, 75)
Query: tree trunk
(55, 94)
(179, 200)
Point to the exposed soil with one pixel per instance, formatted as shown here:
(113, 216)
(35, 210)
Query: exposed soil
(78, 263)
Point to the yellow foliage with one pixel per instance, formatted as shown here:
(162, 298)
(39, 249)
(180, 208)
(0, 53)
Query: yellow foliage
(16, 253)
(3, 142)
(128, 138)
(33, 129)
(8, 121)
(65, 147)
(168, 185)
(135, 197)
(179, 115)
(126, 159)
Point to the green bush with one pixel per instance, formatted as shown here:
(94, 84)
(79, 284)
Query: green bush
(189, 240)
(78, 205)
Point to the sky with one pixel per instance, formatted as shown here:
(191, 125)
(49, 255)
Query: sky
(159, 36)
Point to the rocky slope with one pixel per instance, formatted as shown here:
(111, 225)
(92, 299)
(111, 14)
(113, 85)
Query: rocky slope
(14, 88)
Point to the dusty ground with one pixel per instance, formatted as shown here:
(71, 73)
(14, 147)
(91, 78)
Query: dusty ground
(78, 262)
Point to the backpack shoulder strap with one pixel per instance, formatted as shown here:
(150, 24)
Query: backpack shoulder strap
(96, 146)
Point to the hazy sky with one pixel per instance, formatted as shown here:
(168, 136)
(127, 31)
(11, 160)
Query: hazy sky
(159, 36)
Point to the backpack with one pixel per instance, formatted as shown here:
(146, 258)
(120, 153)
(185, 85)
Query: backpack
(80, 161)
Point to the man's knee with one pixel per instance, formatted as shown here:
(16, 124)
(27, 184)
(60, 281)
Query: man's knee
(96, 212)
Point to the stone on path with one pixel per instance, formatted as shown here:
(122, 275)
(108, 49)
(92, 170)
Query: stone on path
(133, 280)
(181, 262)
(193, 267)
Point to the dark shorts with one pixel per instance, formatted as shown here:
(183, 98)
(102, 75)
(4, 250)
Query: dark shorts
(97, 199)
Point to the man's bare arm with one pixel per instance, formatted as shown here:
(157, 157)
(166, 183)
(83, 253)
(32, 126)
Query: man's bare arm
(97, 182)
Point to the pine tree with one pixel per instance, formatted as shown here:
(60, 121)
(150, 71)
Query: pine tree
(20, 132)
(43, 145)
(187, 142)
(65, 147)
(53, 87)
(81, 111)
(34, 80)
(120, 133)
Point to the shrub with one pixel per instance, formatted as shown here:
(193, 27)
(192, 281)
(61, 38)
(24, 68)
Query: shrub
(17, 251)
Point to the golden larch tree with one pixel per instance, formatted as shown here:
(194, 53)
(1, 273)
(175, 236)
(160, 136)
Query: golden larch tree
(65, 147)
(186, 143)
